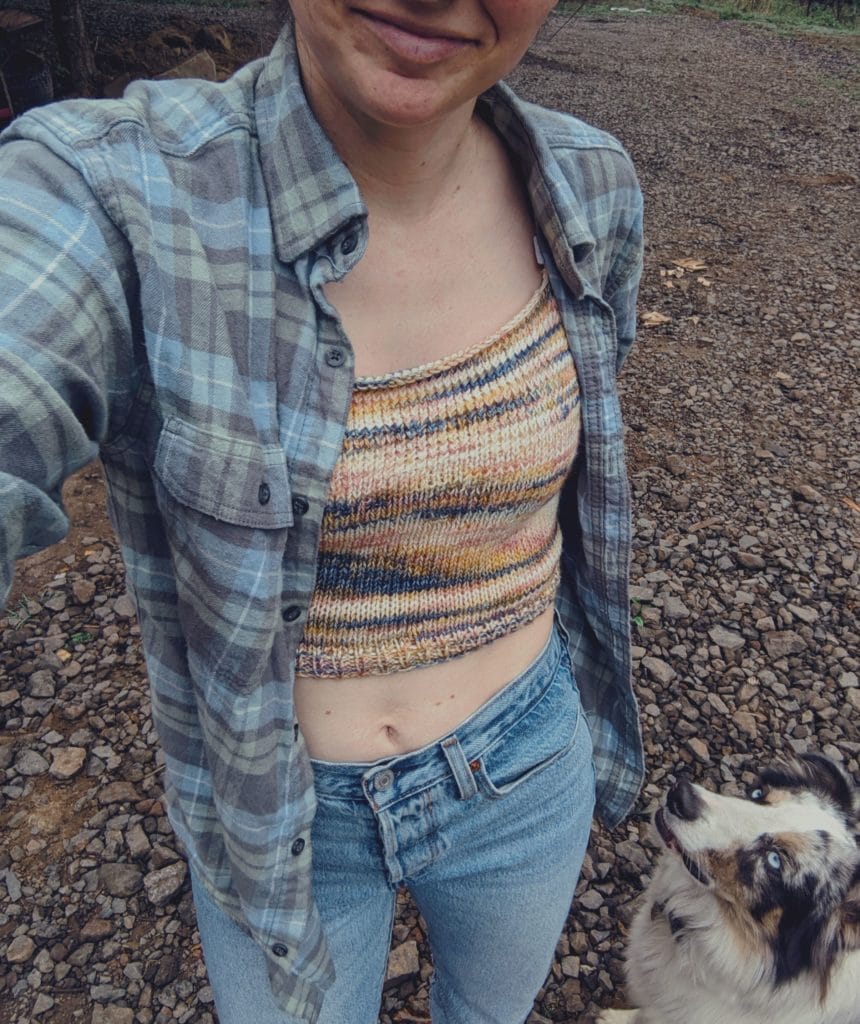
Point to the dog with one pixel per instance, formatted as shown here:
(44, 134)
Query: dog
(753, 913)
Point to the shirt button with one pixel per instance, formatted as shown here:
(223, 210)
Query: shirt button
(297, 847)
(348, 243)
(384, 779)
(264, 494)
(300, 505)
(291, 613)
(279, 949)
(335, 356)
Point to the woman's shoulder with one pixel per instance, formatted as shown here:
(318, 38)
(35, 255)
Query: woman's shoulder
(176, 116)
(574, 147)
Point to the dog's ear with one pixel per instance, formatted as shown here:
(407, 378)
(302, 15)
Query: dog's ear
(830, 780)
(849, 932)
(816, 772)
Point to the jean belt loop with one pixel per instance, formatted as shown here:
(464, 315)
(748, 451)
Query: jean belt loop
(463, 774)
(561, 628)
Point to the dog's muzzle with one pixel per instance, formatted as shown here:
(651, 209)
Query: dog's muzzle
(673, 843)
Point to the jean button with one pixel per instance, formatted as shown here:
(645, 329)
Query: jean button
(279, 949)
(264, 494)
(291, 613)
(348, 243)
(297, 847)
(300, 505)
(335, 357)
(383, 780)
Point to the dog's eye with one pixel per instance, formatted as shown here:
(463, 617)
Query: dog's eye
(757, 793)
(774, 861)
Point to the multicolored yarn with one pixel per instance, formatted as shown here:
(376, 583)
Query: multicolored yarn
(440, 531)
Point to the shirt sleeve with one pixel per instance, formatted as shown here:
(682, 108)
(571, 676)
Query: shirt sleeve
(64, 329)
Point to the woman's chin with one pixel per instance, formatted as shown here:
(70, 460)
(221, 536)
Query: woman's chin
(399, 102)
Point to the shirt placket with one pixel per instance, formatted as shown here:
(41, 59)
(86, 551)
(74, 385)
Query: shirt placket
(322, 428)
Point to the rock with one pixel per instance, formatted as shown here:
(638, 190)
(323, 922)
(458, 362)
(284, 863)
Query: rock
(659, 670)
(676, 465)
(728, 639)
(674, 608)
(162, 885)
(699, 749)
(106, 993)
(108, 1013)
(806, 493)
(43, 1003)
(746, 722)
(570, 966)
(117, 792)
(749, 561)
(121, 879)
(96, 929)
(13, 886)
(200, 65)
(137, 842)
(41, 684)
(718, 704)
(634, 853)
(20, 949)
(214, 37)
(591, 899)
(56, 602)
(402, 962)
(8, 698)
(83, 591)
(168, 970)
(66, 762)
(781, 643)
(804, 613)
(29, 762)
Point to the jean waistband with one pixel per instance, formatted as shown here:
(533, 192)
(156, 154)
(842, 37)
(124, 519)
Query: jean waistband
(385, 781)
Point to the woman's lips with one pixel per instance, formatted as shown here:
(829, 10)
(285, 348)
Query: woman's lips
(409, 45)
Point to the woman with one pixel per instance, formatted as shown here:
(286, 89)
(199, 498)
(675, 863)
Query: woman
(344, 332)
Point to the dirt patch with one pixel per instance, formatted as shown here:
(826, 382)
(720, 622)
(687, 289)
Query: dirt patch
(84, 501)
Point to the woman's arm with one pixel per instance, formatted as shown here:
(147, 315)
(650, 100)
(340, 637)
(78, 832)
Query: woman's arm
(65, 366)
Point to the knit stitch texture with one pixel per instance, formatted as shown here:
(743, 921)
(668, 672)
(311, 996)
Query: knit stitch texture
(440, 532)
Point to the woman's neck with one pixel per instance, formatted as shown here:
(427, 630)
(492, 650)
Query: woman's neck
(403, 172)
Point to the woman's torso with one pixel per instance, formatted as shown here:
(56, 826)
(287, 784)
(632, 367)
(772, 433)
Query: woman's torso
(407, 303)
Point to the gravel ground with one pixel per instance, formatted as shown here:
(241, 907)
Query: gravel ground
(741, 401)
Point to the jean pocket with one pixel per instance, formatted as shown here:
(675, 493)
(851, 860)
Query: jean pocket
(543, 735)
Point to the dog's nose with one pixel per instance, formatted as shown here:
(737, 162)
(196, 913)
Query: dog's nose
(683, 801)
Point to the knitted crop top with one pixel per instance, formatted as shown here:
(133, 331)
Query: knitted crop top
(440, 531)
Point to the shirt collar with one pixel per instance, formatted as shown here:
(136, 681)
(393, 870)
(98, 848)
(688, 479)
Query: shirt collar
(312, 195)
(556, 207)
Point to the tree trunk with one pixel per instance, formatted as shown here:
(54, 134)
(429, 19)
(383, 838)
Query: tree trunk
(73, 47)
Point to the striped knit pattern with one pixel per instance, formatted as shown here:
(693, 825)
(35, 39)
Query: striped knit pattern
(440, 531)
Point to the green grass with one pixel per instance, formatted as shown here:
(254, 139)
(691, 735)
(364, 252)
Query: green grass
(786, 15)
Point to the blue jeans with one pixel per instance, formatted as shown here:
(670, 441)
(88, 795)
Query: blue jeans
(487, 828)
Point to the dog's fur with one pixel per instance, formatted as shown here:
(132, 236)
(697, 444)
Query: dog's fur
(753, 914)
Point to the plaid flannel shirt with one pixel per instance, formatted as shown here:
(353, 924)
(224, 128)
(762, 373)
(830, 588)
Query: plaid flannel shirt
(162, 263)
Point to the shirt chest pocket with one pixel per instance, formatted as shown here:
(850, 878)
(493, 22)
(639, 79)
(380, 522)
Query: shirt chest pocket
(233, 480)
(226, 508)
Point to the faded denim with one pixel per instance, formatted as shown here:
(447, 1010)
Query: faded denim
(487, 828)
